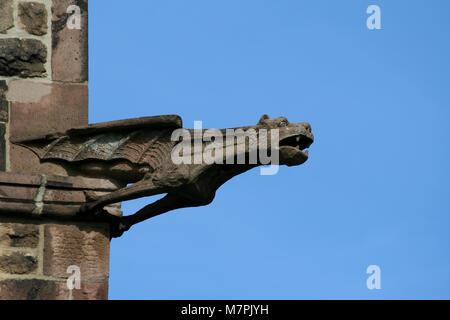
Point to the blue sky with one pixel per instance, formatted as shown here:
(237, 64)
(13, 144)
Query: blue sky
(375, 190)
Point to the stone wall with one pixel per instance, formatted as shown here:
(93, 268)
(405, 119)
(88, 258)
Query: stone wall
(43, 72)
(42, 237)
(44, 89)
(35, 258)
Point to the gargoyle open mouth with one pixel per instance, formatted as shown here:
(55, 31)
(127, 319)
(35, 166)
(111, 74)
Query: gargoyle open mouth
(292, 149)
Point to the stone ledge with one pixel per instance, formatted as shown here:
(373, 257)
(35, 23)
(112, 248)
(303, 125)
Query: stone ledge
(47, 196)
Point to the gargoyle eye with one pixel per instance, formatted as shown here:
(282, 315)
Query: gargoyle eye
(283, 123)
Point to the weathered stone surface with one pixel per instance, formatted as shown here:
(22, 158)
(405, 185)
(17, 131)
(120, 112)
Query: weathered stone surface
(69, 46)
(4, 117)
(91, 291)
(62, 211)
(64, 196)
(62, 107)
(19, 179)
(22, 57)
(4, 105)
(2, 147)
(18, 263)
(83, 246)
(33, 289)
(3, 89)
(19, 235)
(4, 110)
(16, 209)
(50, 108)
(33, 17)
(6, 15)
(25, 161)
(18, 192)
(81, 183)
(27, 91)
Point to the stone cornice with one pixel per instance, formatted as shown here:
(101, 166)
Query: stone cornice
(48, 196)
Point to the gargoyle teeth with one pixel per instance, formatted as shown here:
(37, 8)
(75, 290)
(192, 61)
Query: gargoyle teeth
(297, 138)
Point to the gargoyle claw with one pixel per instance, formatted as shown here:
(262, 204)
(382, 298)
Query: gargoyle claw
(118, 228)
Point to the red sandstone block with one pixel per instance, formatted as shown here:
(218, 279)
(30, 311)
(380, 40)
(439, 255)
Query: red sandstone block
(58, 182)
(91, 291)
(17, 192)
(63, 212)
(69, 46)
(53, 108)
(16, 209)
(24, 160)
(19, 179)
(64, 196)
(61, 199)
(84, 246)
(81, 183)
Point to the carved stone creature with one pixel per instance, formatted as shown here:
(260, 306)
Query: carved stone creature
(139, 152)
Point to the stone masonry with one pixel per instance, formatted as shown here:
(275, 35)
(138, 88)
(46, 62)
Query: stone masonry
(43, 90)
(41, 236)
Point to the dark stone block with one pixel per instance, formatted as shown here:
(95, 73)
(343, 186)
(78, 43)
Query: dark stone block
(22, 57)
(18, 263)
(4, 106)
(32, 289)
(3, 89)
(3, 110)
(2, 147)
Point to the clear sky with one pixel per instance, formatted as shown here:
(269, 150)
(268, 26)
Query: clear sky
(375, 190)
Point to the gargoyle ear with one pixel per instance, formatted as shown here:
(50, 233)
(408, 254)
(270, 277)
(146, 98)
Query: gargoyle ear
(264, 117)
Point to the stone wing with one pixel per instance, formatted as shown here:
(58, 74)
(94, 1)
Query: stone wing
(143, 140)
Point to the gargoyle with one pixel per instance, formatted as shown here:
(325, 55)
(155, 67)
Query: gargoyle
(139, 155)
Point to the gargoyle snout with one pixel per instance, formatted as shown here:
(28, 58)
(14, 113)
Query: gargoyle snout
(307, 126)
